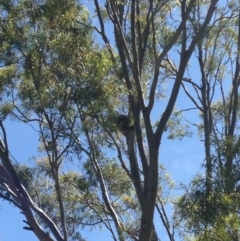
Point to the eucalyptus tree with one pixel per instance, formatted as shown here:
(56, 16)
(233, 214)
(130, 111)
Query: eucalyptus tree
(148, 35)
(93, 105)
(49, 63)
(211, 202)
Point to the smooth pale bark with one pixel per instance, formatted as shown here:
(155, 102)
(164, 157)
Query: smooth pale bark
(26, 204)
(131, 57)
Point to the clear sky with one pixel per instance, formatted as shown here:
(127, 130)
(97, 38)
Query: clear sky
(23, 142)
(182, 159)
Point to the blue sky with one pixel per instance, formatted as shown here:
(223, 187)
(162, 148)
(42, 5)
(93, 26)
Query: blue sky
(181, 158)
(23, 143)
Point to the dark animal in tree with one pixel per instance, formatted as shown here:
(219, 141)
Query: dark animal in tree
(124, 124)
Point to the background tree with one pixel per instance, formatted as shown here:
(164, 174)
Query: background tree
(211, 200)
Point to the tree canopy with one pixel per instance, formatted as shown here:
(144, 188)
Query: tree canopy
(105, 84)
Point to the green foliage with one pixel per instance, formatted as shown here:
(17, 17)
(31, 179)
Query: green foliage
(205, 214)
(213, 214)
(54, 73)
(6, 109)
(176, 128)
